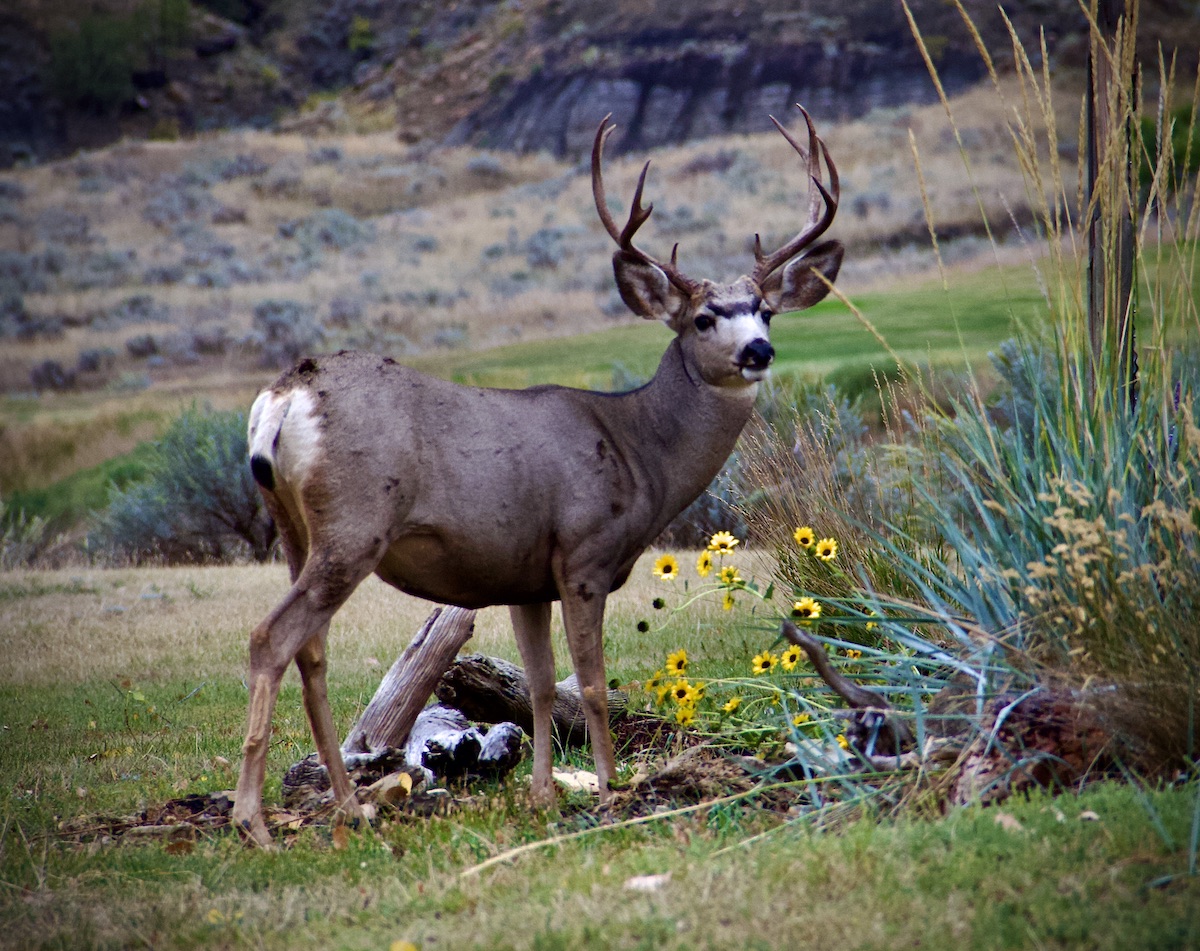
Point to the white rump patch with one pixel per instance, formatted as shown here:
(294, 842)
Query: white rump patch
(285, 429)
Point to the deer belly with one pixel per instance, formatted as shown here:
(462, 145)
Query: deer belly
(426, 565)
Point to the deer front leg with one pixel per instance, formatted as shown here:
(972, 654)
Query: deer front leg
(583, 616)
(531, 625)
(312, 664)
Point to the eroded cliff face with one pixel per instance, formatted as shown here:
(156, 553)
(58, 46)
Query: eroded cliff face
(669, 96)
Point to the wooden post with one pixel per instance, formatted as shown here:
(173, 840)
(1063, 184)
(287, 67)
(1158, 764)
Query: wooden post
(1111, 235)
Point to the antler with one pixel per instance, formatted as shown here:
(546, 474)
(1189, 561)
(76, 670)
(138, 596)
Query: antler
(818, 222)
(637, 215)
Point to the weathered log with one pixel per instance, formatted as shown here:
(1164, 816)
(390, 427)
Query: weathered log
(491, 690)
(389, 717)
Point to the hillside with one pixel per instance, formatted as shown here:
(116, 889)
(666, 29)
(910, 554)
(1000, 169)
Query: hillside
(509, 74)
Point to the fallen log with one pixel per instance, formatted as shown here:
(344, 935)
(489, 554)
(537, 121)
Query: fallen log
(491, 690)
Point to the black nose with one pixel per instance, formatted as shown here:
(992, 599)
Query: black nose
(758, 354)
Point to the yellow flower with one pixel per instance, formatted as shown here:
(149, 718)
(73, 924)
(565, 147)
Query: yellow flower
(681, 691)
(654, 681)
(775, 698)
(871, 625)
(722, 543)
(790, 658)
(804, 536)
(727, 601)
(661, 692)
(806, 608)
(666, 567)
(827, 549)
(732, 704)
(729, 575)
(800, 719)
(842, 741)
(853, 654)
(763, 662)
(677, 663)
(704, 564)
(685, 715)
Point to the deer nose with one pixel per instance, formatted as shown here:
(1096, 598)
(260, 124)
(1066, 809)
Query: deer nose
(757, 355)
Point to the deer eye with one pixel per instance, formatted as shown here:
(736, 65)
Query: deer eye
(705, 321)
(766, 314)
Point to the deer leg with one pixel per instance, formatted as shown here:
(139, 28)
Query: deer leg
(303, 613)
(583, 617)
(531, 625)
(311, 661)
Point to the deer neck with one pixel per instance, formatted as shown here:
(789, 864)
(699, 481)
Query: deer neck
(686, 428)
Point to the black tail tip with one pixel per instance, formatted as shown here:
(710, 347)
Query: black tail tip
(264, 475)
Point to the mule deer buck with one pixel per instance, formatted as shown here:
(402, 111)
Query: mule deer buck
(478, 497)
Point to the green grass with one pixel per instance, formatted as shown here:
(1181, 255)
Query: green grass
(132, 734)
(69, 500)
(923, 323)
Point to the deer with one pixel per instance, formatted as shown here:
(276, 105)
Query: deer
(476, 497)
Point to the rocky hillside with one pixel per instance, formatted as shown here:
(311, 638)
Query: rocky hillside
(512, 74)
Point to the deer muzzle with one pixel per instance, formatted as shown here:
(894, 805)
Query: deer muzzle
(756, 356)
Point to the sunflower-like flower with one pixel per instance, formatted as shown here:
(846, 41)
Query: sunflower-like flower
(666, 567)
(681, 691)
(800, 719)
(677, 663)
(872, 625)
(729, 575)
(763, 663)
(727, 601)
(827, 549)
(842, 741)
(805, 537)
(661, 692)
(722, 543)
(654, 681)
(732, 704)
(704, 564)
(806, 609)
(790, 658)
(852, 654)
(685, 715)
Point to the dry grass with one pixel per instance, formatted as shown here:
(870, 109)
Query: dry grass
(160, 624)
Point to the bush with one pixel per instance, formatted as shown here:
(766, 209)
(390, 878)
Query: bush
(197, 503)
(285, 330)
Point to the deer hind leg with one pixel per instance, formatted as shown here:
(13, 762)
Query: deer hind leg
(583, 617)
(321, 588)
(531, 625)
(311, 661)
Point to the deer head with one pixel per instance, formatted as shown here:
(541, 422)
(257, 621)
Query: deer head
(723, 328)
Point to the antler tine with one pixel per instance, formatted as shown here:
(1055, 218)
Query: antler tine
(817, 223)
(637, 214)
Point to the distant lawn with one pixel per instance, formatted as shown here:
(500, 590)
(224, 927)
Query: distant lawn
(924, 324)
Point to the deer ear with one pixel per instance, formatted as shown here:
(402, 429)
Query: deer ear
(645, 288)
(796, 286)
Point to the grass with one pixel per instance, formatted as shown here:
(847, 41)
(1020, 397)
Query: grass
(125, 689)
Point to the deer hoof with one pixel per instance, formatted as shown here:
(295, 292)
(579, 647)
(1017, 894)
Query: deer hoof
(254, 832)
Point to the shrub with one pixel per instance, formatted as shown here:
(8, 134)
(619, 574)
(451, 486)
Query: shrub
(91, 66)
(197, 503)
(285, 331)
